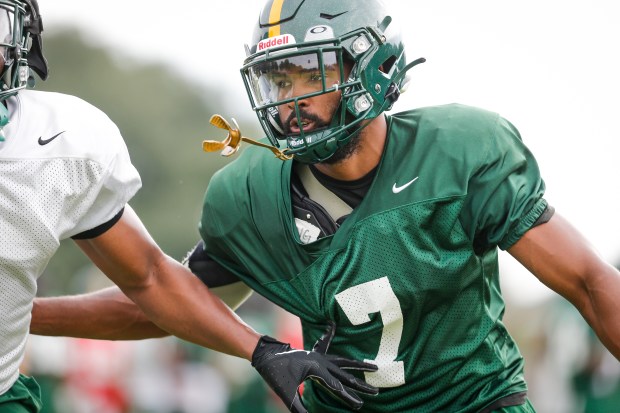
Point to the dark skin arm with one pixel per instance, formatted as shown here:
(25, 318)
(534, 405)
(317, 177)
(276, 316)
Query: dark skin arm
(109, 315)
(555, 252)
(178, 302)
(164, 290)
(104, 315)
(564, 261)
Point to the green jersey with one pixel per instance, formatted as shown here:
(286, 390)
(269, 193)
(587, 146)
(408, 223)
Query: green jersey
(411, 276)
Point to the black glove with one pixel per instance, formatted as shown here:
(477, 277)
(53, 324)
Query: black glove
(285, 368)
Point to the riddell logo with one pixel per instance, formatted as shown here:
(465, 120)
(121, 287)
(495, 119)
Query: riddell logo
(281, 40)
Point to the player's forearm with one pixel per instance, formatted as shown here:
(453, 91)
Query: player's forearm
(106, 314)
(167, 292)
(601, 308)
(181, 304)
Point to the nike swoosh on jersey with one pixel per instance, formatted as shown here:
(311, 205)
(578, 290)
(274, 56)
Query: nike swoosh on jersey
(46, 141)
(397, 189)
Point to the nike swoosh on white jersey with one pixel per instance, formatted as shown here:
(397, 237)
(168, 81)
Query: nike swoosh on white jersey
(397, 189)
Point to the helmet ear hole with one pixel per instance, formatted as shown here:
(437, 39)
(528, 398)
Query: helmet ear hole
(387, 65)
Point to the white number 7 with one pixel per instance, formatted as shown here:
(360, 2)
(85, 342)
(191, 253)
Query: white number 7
(372, 297)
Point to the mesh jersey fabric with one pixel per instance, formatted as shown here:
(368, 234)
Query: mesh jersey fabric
(411, 277)
(64, 169)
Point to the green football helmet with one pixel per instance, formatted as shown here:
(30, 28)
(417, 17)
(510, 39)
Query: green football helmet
(20, 45)
(20, 49)
(323, 40)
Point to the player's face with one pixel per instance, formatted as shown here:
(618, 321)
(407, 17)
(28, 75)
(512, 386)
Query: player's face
(316, 111)
(300, 80)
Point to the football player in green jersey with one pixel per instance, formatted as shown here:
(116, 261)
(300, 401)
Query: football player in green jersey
(74, 181)
(387, 226)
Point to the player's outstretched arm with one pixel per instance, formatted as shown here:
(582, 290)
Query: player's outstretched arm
(565, 261)
(109, 315)
(166, 291)
(178, 303)
(106, 314)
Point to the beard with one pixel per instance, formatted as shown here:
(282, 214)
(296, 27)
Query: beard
(345, 151)
(342, 153)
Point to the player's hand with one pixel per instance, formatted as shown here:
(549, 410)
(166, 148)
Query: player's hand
(285, 369)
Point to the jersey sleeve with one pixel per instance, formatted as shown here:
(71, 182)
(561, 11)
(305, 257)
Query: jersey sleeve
(110, 178)
(505, 191)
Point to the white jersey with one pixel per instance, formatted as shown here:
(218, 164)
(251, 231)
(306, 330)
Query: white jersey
(64, 169)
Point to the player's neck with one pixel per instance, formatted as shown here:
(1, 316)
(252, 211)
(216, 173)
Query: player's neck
(365, 158)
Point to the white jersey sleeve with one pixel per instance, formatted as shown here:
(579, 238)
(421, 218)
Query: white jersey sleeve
(76, 156)
(64, 169)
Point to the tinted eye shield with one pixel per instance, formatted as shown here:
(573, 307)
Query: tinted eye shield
(268, 74)
(324, 58)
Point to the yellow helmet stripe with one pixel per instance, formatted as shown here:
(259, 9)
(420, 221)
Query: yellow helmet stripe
(274, 16)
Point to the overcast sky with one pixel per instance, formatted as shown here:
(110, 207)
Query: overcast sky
(550, 67)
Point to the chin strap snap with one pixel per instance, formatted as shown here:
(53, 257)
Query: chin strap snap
(232, 142)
